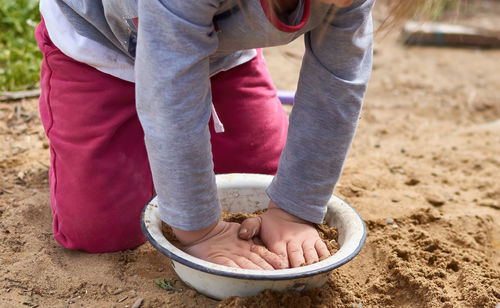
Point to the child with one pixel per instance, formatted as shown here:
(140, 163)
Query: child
(180, 63)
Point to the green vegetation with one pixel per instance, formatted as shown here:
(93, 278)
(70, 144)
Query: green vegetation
(20, 57)
(167, 284)
(437, 8)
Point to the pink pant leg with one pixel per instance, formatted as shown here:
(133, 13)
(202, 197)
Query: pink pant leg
(254, 121)
(99, 176)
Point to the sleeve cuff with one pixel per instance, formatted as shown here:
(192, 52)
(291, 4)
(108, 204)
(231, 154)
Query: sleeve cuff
(285, 197)
(197, 220)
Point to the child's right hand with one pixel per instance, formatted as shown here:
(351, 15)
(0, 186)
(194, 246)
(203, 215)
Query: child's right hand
(292, 238)
(220, 244)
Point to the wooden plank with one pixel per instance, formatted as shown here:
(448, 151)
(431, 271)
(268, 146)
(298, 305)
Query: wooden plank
(441, 34)
(14, 96)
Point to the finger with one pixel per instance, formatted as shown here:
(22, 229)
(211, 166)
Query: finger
(243, 262)
(295, 254)
(257, 241)
(273, 259)
(321, 249)
(225, 261)
(260, 261)
(310, 254)
(249, 228)
(279, 248)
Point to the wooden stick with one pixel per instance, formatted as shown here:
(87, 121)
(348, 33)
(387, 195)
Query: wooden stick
(14, 96)
(441, 34)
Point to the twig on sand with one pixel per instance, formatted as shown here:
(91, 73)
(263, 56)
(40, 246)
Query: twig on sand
(13, 280)
(122, 299)
(3, 190)
(44, 164)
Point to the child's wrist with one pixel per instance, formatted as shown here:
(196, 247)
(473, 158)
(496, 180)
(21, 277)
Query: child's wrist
(189, 237)
(273, 205)
(285, 214)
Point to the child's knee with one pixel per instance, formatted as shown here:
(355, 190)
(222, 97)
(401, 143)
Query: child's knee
(97, 234)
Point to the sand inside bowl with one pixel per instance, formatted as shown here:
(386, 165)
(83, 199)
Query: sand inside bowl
(328, 235)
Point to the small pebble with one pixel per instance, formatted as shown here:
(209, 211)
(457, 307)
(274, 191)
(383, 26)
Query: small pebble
(118, 292)
(436, 201)
(394, 226)
(389, 221)
(138, 303)
(489, 203)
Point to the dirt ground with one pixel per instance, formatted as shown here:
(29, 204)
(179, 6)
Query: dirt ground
(423, 172)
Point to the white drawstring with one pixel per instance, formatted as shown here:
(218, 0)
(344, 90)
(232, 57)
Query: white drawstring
(219, 128)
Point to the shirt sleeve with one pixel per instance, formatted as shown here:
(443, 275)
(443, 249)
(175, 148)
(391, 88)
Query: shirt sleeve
(173, 97)
(333, 79)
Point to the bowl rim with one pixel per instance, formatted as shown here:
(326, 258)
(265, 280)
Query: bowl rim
(258, 275)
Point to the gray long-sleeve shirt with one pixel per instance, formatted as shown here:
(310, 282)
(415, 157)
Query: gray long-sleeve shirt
(177, 48)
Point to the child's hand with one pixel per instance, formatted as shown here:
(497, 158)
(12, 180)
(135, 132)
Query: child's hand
(295, 239)
(220, 244)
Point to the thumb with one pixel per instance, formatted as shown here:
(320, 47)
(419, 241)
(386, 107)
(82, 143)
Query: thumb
(250, 227)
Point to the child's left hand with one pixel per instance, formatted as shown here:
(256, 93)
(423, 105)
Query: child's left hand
(291, 237)
(219, 243)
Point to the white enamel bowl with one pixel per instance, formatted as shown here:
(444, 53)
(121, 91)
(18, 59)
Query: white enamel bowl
(246, 193)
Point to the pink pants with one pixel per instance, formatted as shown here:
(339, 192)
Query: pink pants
(99, 171)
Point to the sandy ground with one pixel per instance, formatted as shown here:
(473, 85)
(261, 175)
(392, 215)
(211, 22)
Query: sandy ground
(426, 156)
